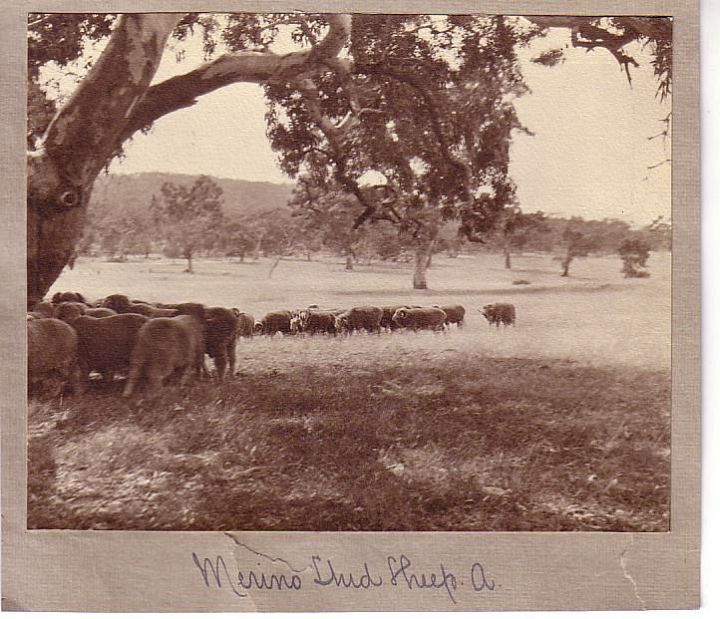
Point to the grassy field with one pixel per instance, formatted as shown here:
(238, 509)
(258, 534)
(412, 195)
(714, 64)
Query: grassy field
(561, 423)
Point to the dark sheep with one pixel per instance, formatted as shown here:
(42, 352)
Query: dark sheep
(316, 321)
(52, 356)
(60, 297)
(273, 322)
(499, 313)
(120, 304)
(420, 318)
(366, 317)
(43, 309)
(245, 323)
(386, 322)
(100, 312)
(105, 344)
(166, 346)
(455, 314)
(221, 338)
(68, 311)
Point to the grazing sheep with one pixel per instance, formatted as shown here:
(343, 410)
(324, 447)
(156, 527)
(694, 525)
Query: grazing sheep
(221, 338)
(166, 346)
(43, 309)
(60, 297)
(499, 313)
(386, 322)
(100, 312)
(105, 344)
(316, 321)
(455, 314)
(68, 311)
(52, 355)
(365, 317)
(120, 304)
(274, 322)
(245, 323)
(415, 318)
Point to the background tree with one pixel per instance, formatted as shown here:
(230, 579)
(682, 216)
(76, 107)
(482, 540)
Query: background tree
(394, 75)
(189, 218)
(577, 245)
(455, 78)
(515, 227)
(658, 234)
(634, 253)
(331, 215)
(238, 238)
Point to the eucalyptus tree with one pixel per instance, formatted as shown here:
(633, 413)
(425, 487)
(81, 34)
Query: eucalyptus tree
(375, 87)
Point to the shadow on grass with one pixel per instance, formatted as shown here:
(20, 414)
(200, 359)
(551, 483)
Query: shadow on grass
(471, 444)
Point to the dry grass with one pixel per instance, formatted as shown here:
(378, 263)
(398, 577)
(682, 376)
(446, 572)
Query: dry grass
(559, 424)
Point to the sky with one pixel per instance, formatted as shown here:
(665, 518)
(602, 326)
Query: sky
(589, 155)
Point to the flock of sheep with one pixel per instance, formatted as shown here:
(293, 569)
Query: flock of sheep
(149, 342)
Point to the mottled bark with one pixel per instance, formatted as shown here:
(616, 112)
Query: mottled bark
(111, 103)
(421, 263)
(81, 139)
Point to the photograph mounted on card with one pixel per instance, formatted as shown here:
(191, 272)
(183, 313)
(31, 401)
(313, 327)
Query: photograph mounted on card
(353, 310)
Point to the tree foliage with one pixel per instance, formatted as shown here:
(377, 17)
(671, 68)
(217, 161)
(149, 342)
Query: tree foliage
(423, 104)
(577, 245)
(188, 218)
(634, 253)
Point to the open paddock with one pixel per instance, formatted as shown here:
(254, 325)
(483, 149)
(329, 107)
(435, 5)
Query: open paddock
(559, 423)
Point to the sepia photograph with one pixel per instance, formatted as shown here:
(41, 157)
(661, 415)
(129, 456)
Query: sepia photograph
(349, 272)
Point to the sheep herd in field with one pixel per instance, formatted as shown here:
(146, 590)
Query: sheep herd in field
(68, 337)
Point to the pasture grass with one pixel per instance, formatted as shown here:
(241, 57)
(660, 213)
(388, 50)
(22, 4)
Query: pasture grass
(474, 443)
(561, 423)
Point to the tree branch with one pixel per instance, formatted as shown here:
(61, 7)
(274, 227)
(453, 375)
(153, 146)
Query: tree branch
(652, 28)
(85, 132)
(253, 67)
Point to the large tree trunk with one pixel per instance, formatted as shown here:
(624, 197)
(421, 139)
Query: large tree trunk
(81, 139)
(421, 263)
(113, 102)
(189, 269)
(348, 262)
(506, 252)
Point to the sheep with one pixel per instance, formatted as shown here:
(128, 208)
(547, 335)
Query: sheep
(499, 313)
(60, 297)
(221, 335)
(274, 322)
(420, 318)
(315, 321)
(365, 317)
(122, 305)
(43, 309)
(455, 314)
(52, 354)
(166, 346)
(68, 311)
(105, 344)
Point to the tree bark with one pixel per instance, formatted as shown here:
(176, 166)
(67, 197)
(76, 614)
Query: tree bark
(81, 139)
(421, 262)
(566, 266)
(189, 269)
(506, 252)
(114, 101)
(348, 262)
(274, 266)
(430, 254)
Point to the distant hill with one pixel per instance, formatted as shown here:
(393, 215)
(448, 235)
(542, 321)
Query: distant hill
(126, 193)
